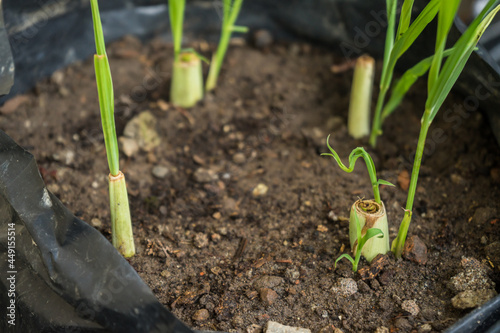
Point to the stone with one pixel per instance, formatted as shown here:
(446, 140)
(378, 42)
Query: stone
(411, 307)
(203, 175)
(260, 190)
(200, 240)
(472, 298)
(415, 250)
(201, 315)
(268, 296)
(473, 277)
(404, 180)
(274, 327)
(382, 329)
(345, 287)
(128, 146)
(262, 38)
(160, 171)
(96, 223)
(239, 158)
(268, 281)
(483, 215)
(142, 128)
(254, 328)
(425, 328)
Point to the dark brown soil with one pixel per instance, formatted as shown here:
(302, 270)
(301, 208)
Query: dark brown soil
(214, 245)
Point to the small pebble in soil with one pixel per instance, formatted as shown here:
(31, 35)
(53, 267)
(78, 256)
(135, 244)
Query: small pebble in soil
(483, 215)
(345, 287)
(292, 274)
(268, 281)
(382, 329)
(160, 171)
(239, 158)
(274, 327)
(332, 216)
(254, 328)
(128, 146)
(425, 328)
(404, 180)
(403, 324)
(472, 298)
(262, 39)
(330, 329)
(474, 276)
(201, 315)
(96, 223)
(415, 250)
(411, 307)
(142, 128)
(215, 238)
(203, 175)
(260, 190)
(268, 296)
(200, 240)
(363, 287)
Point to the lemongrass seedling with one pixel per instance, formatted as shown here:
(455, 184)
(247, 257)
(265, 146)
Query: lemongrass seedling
(441, 79)
(186, 88)
(121, 224)
(363, 241)
(230, 13)
(358, 122)
(396, 44)
(366, 214)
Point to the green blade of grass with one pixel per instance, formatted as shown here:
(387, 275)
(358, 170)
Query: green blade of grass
(176, 13)
(404, 18)
(446, 15)
(347, 256)
(457, 60)
(406, 82)
(105, 92)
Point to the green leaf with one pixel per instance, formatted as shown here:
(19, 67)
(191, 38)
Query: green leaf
(414, 30)
(355, 154)
(447, 12)
(238, 28)
(370, 233)
(347, 256)
(406, 82)
(385, 182)
(457, 60)
(404, 18)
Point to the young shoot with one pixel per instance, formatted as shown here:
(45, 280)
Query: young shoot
(230, 14)
(370, 233)
(441, 79)
(396, 44)
(186, 88)
(121, 224)
(358, 123)
(365, 215)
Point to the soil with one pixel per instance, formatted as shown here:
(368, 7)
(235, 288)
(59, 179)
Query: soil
(209, 236)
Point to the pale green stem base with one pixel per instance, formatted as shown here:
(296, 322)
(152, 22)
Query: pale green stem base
(370, 215)
(213, 74)
(121, 224)
(358, 123)
(187, 81)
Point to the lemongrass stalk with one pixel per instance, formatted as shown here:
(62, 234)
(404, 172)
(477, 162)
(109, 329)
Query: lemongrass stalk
(369, 214)
(230, 14)
(358, 123)
(440, 82)
(186, 87)
(187, 81)
(123, 238)
(121, 226)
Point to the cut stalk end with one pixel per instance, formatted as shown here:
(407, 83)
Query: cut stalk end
(187, 80)
(370, 215)
(121, 224)
(358, 123)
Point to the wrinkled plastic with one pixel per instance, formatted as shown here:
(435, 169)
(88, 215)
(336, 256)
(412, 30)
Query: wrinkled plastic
(67, 276)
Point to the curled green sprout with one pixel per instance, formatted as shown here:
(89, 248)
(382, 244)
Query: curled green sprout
(355, 154)
(372, 232)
